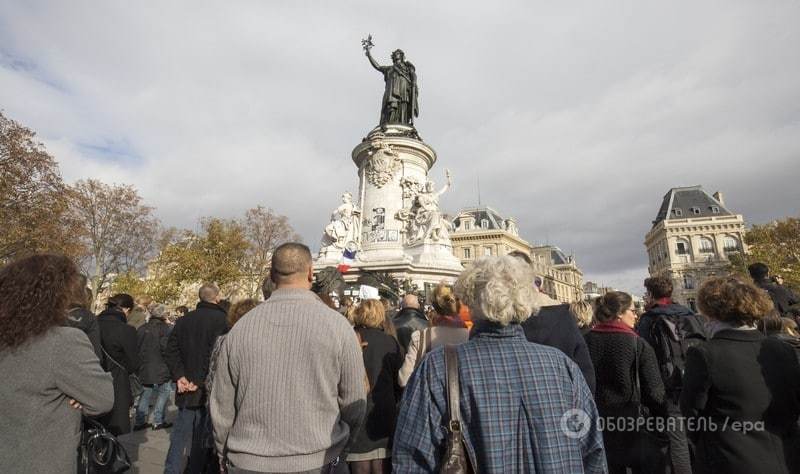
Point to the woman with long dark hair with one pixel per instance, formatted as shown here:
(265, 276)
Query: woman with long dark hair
(51, 375)
(121, 355)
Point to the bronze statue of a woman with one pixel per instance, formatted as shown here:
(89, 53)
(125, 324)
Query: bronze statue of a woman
(400, 97)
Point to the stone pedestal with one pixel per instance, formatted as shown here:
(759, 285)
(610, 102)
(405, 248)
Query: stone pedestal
(399, 231)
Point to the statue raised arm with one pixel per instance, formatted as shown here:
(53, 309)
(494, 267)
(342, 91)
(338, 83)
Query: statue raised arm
(399, 105)
(447, 184)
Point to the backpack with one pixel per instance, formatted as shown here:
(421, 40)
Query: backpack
(671, 337)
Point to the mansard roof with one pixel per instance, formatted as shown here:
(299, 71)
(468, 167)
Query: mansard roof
(689, 202)
(483, 213)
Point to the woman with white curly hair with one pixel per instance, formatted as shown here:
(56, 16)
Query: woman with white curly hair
(524, 407)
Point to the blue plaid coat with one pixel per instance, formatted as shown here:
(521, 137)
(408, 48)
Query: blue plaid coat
(525, 409)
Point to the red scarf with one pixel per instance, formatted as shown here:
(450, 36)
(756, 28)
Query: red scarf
(614, 326)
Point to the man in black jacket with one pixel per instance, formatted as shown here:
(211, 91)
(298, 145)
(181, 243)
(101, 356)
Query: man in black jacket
(687, 324)
(153, 372)
(554, 326)
(409, 319)
(782, 297)
(187, 356)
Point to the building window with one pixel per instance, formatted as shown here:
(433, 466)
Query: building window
(706, 245)
(467, 225)
(487, 251)
(692, 304)
(715, 209)
(467, 253)
(696, 210)
(688, 282)
(681, 248)
(677, 211)
(484, 223)
(731, 244)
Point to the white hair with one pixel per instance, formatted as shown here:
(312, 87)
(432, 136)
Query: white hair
(498, 289)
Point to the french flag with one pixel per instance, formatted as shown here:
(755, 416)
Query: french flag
(348, 259)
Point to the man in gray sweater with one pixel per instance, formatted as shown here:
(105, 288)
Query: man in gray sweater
(289, 390)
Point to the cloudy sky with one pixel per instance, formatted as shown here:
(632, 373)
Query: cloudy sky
(577, 117)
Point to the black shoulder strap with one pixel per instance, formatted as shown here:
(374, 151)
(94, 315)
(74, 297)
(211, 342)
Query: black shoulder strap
(636, 394)
(108, 357)
(453, 407)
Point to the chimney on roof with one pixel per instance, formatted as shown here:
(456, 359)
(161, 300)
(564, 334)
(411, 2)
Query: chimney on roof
(718, 197)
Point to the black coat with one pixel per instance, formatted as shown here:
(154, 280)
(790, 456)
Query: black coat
(119, 342)
(555, 326)
(406, 322)
(152, 337)
(86, 321)
(782, 297)
(741, 375)
(614, 359)
(382, 360)
(189, 349)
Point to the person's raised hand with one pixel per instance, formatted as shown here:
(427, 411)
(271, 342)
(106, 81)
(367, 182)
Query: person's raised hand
(75, 404)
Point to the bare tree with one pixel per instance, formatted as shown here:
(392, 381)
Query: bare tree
(33, 198)
(265, 230)
(118, 230)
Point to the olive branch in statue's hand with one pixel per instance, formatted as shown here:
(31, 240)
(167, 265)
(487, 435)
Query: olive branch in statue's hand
(367, 43)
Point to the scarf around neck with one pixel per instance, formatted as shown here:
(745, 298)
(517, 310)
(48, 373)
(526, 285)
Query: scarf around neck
(614, 326)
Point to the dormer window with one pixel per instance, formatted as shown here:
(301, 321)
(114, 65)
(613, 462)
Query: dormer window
(696, 210)
(677, 211)
(484, 223)
(715, 209)
(467, 225)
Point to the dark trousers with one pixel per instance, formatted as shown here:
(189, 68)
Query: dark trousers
(187, 450)
(678, 443)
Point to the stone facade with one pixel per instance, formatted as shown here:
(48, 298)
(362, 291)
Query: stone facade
(562, 279)
(691, 239)
(482, 231)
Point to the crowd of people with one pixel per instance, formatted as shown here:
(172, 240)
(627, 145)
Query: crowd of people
(493, 377)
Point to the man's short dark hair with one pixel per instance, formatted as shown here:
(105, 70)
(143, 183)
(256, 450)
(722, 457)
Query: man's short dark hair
(659, 286)
(758, 270)
(288, 260)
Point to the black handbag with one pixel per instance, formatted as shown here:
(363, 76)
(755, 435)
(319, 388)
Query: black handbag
(100, 452)
(456, 459)
(650, 448)
(136, 384)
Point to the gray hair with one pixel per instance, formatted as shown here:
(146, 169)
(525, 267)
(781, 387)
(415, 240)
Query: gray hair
(498, 289)
(208, 292)
(158, 310)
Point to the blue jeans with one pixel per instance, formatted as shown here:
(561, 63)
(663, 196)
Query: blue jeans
(163, 392)
(186, 442)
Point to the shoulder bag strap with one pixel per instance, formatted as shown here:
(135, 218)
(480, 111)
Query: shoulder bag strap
(453, 407)
(422, 348)
(636, 394)
(112, 360)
